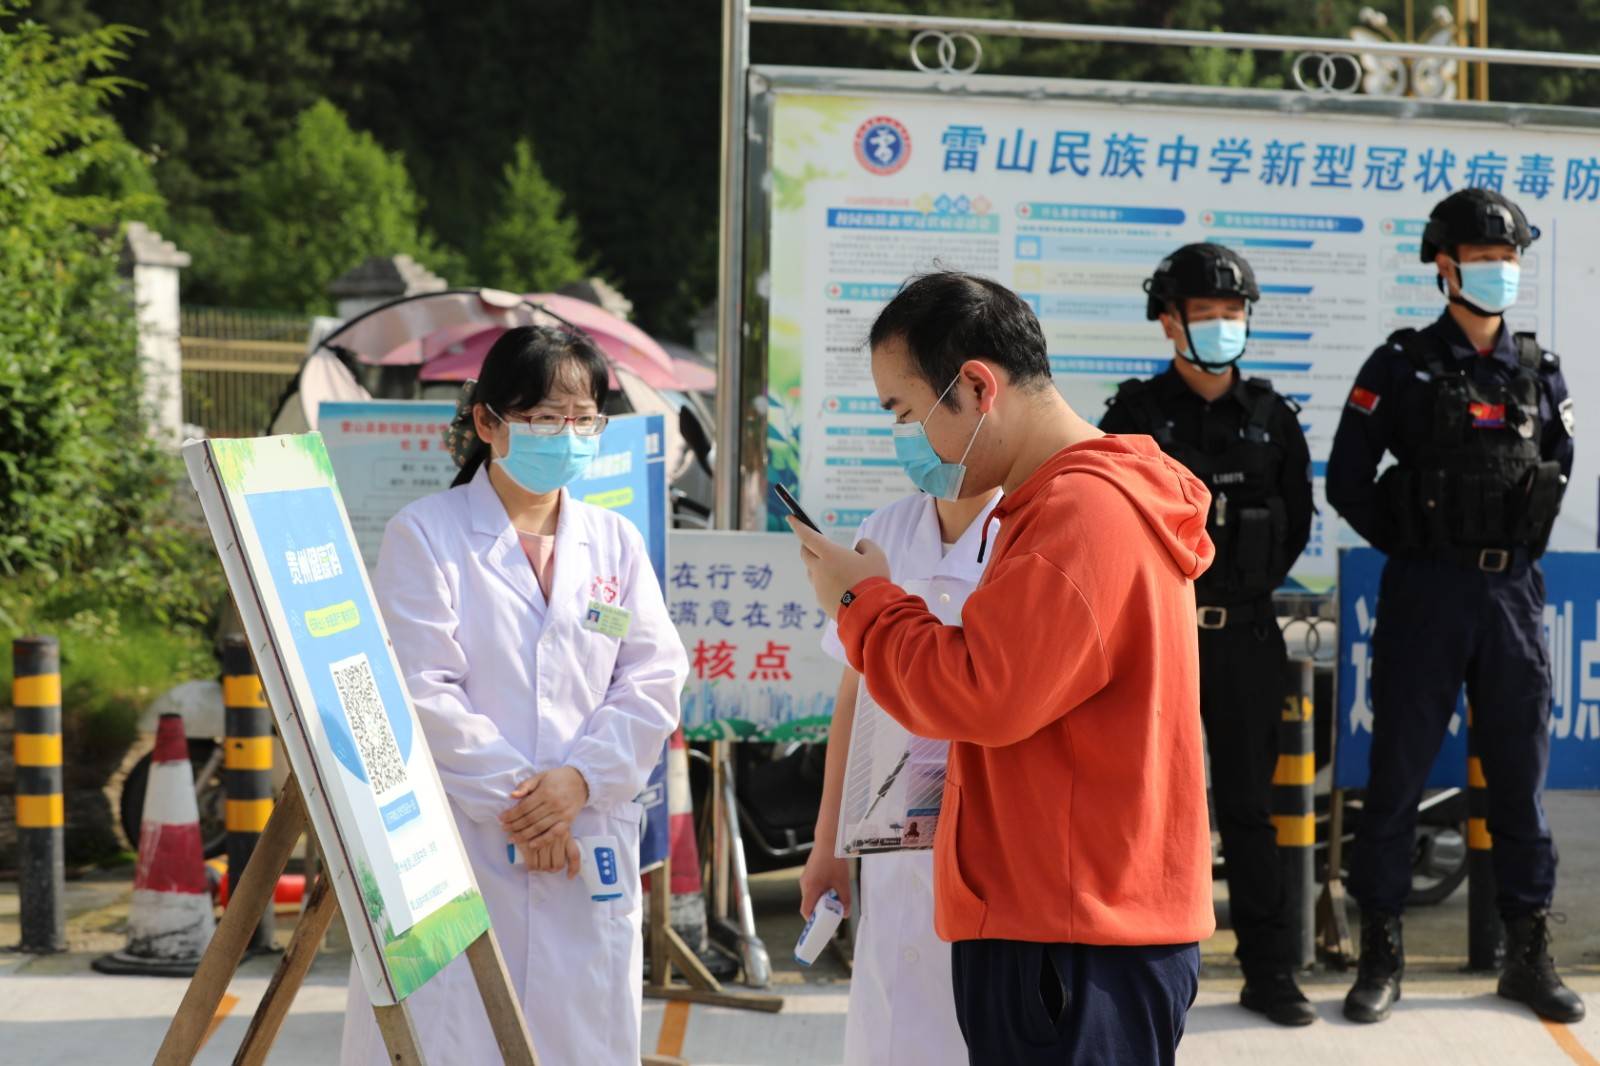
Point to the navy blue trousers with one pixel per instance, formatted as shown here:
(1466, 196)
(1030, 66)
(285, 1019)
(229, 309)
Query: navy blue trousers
(1441, 625)
(1022, 1004)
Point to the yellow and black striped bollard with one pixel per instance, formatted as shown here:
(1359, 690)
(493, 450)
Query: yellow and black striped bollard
(1294, 812)
(246, 770)
(1485, 933)
(41, 811)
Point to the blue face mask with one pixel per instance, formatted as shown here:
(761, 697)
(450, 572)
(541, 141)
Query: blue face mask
(542, 464)
(1490, 286)
(1217, 343)
(922, 464)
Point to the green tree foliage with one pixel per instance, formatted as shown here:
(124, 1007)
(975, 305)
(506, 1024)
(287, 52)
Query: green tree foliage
(85, 497)
(328, 198)
(68, 362)
(621, 98)
(530, 242)
(1573, 26)
(218, 86)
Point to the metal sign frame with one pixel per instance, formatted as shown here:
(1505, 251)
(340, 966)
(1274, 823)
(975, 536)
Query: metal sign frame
(744, 237)
(957, 52)
(746, 125)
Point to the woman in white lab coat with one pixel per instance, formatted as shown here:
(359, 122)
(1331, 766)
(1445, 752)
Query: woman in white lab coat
(902, 1008)
(503, 597)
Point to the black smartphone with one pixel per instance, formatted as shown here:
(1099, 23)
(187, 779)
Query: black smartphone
(794, 507)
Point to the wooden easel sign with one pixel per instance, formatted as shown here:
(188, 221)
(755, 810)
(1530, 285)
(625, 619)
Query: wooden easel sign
(370, 789)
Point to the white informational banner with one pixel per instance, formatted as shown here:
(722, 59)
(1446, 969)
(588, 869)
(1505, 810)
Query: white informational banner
(386, 454)
(753, 630)
(341, 705)
(1073, 202)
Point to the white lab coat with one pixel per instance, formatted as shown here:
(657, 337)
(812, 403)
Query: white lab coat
(505, 686)
(902, 1007)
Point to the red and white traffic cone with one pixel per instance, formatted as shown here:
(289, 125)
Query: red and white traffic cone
(684, 849)
(170, 920)
(290, 891)
(688, 894)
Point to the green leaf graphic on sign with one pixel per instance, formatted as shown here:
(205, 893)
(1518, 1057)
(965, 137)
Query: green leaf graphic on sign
(234, 459)
(311, 446)
(799, 124)
(427, 947)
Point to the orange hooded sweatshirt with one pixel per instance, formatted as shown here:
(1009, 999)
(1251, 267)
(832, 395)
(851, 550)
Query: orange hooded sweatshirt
(1075, 805)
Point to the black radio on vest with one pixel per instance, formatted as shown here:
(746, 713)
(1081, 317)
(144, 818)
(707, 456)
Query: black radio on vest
(1480, 480)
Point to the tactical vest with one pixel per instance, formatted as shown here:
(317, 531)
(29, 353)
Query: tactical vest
(1480, 480)
(1248, 523)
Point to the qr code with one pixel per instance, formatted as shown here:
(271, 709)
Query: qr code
(363, 708)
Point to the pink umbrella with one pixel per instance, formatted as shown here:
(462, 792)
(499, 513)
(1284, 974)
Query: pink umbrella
(391, 335)
(456, 354)
(463, 360)
(449, 334)
(622, 341)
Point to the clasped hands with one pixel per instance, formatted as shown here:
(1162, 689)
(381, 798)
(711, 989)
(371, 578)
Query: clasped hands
(539, 822)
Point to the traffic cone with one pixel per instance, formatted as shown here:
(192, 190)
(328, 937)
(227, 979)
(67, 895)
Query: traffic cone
(170, 920)
(290, 891)
(688, 895)
(680, 831)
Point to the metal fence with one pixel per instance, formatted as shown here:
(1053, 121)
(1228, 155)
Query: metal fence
(236, 365)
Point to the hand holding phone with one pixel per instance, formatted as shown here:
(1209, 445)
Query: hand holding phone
(794, 507)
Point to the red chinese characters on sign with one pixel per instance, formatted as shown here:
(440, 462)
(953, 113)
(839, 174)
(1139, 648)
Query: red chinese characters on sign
(712, 661)
(772, 664)
(414, 436)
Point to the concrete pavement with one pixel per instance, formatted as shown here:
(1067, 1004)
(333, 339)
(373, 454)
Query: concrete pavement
(55, 1010)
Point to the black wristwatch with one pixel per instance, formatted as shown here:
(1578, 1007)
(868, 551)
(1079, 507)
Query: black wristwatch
(847, 599)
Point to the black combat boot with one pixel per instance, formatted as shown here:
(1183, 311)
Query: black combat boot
(1383, 964)
(1276, 995)
(1530, 974)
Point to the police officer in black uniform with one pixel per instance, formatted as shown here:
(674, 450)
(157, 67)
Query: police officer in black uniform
(1480, 426)
(1244, 441)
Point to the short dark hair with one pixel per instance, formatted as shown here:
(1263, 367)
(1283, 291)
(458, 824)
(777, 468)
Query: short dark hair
(948, 317)
(520, 370)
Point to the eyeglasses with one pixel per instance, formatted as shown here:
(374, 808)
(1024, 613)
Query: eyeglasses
(550, 425)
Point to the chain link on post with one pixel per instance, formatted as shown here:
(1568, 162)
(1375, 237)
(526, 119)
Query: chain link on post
(947, 47)
(1327, 73)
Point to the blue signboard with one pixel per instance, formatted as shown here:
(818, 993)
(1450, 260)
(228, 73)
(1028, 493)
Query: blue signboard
(1572, 638)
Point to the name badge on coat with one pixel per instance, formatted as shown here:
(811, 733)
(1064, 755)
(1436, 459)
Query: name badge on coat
(607, 619)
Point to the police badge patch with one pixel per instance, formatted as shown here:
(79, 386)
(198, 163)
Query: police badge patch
(1569, 416)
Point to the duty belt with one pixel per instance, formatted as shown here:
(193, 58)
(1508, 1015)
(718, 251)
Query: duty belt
(1487, 560)
(1236, 615)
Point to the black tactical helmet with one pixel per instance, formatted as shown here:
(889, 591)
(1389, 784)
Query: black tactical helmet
(1475, 216)
(1199, 270)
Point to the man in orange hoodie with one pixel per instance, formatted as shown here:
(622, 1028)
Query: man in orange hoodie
(1072, 856)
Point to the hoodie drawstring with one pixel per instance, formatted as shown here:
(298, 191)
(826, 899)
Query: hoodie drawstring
(983, 542)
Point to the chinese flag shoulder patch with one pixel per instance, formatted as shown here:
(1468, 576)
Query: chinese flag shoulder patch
(1363, 400)
(1488, 415)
